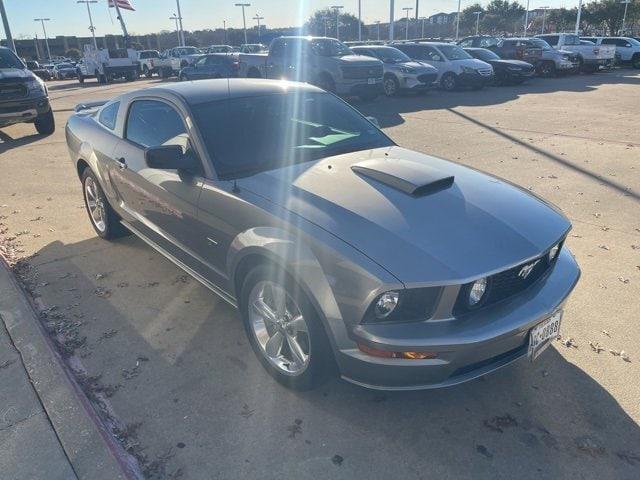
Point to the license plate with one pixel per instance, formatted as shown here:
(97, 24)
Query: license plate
(541, 335)
(371, 81)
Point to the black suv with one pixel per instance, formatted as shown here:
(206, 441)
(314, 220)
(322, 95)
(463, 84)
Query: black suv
(23, 96)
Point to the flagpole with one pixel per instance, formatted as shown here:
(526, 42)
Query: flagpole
(124, 27)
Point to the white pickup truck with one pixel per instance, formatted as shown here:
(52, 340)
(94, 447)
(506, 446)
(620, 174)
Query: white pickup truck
(590, 57)
(175, 59)
(627, 48)
(108, 64)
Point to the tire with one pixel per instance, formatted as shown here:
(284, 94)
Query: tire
(635, 61)
(253, 73)
(80, 79)
(548, 69)
(326, 83)
(130, 76)
(45, 124)
(391, 85)
(146, 72)
(449, 82)
(183, 78)
(110, 228)
(298, 374)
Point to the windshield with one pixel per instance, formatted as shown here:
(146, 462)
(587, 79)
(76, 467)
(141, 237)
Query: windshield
(253, 134)
(453, 52)
(633, 41)
(64, 65)
(187, 51)
(9, 60)
(486, 55)
(329, 47)
(538, 42)
(391, 55)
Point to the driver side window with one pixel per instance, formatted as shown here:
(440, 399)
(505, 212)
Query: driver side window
(151, 123)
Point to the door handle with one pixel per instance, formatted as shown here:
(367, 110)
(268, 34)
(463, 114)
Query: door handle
(122, 163)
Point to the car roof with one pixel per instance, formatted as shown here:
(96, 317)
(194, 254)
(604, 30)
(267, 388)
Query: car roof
(203, 91)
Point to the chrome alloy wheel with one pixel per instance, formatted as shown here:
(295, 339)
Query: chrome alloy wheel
(390, 87)
(279, 327)
(95, 204)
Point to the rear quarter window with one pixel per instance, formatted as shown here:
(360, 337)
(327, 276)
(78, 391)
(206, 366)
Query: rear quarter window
(108, 115)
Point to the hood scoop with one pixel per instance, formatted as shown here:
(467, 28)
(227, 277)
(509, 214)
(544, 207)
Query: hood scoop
(412, 178)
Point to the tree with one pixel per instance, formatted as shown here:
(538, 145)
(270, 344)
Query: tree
(503, 17)
(468, 18)
(348, 25)
(561, 19)
(73, 54)
(607, 15)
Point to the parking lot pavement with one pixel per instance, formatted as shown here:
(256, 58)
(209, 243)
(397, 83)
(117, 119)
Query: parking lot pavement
(173, 364)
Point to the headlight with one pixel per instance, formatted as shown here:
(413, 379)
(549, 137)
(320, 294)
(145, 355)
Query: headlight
(386, 304)
(514, 69)
(407, 70)
(468, 70)
(477, 291)
(36, 85)
(553, 253)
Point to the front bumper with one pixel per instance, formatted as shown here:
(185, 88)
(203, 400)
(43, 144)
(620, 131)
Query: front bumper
(474, 79)
(359, 87)
(418, 82)
(468, 347)
(25, 110)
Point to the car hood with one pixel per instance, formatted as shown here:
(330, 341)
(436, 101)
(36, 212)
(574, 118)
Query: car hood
(453, 234)
(514, 63)
(417, 66)
(359, 60)
(471, 62)
(17, 74)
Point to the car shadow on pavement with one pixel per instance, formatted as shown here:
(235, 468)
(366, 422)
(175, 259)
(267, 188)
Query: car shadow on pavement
(173, 362)
(7, 142)
(389, 111)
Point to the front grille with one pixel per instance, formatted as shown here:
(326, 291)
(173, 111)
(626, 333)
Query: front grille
(357, 72)
(427, 77)
(485, 71)
(12, 91)
(506, 284)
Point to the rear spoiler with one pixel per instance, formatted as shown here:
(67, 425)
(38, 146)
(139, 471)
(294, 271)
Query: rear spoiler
(89, 105)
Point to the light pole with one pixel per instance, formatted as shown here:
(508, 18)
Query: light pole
(46, 39)
(544, 17)
(326, 26)
(377, 22)
(578, 17)
(337, 9)
(180, 31)
(175, 17)
(422, 31)
(458, 21)
(91, 27)
(407, 9)
(526, 19)
(359, 20)
(391, 20)
(257, 18)
(244, 21)
(477, 14)
(418, 10)
(624, 17)
(224, 28)
(7, 30)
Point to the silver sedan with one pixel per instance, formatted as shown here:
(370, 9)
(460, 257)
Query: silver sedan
(343, 251)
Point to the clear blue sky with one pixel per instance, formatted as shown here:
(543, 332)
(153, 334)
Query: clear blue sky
(70, 18)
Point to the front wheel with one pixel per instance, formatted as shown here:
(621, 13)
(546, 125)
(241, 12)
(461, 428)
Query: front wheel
(45, 123)
(449, 82)
(635, 61)
(548, 69)
(104, 220)
(283, 329)
(391, 86)
(146, 72)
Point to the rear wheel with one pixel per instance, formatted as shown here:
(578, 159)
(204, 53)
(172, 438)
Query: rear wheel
(449, 82)
(104, 220)
(391, 85)
(146, 72)
(80, 78)
(45, 123)
(283, 329)
(635, 61)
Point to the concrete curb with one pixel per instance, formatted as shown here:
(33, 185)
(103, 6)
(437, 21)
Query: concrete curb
(93, 452)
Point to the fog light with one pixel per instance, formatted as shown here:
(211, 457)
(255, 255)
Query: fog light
(477, 291)
(376, 352)
(386, 304)
(553, 253)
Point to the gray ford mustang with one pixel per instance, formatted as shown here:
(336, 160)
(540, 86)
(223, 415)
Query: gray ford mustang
(343, 251)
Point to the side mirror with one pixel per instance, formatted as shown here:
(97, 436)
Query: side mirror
(374, 120)
(170, 157)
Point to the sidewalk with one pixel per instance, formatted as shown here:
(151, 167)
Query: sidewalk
(47, 429)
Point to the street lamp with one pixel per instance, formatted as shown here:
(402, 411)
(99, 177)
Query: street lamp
(477, 14)
(423, 19)
(244, 21)
(544, 17)
(359, 20)
(526, 19)
(46, 39)
(176, 18)
(407, 9)
(624, 17)
(578, 17)
(337, 9)
(257, 18)
(391, 21)
(458, 21)
(7, 30)
(377, 22)
(180, 31)
(91, 27)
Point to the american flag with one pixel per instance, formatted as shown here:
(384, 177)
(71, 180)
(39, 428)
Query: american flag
(124, 4)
